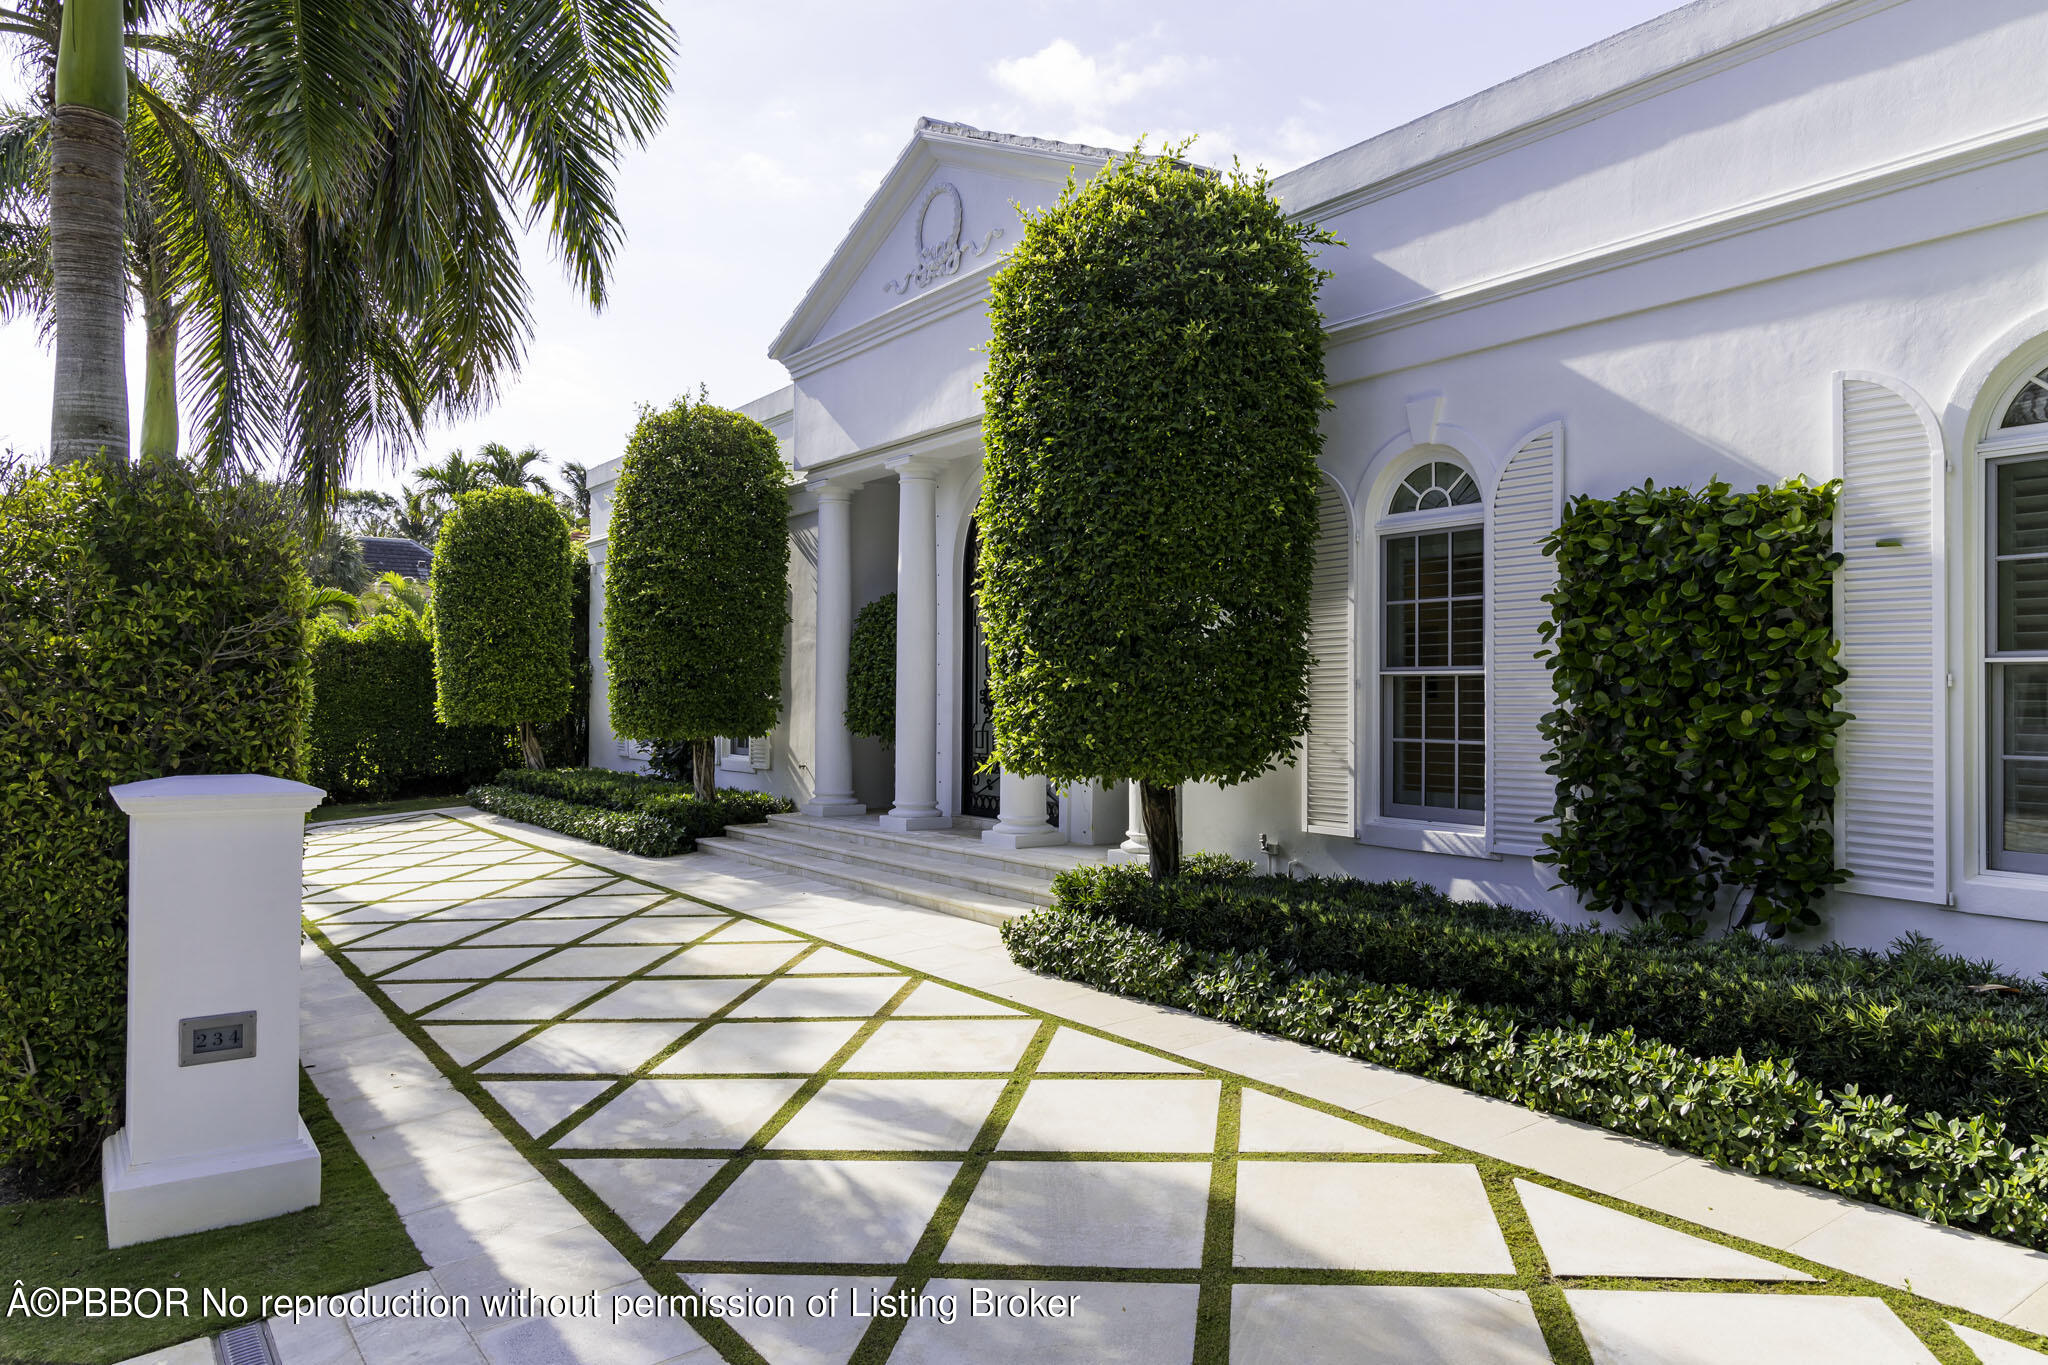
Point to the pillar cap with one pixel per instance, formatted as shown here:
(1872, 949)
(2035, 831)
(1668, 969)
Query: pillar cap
(216, 794)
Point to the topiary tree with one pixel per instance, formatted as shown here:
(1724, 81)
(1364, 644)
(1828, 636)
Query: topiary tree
(871, 671)
(696, 596)
(501, 586)
(1148, 507)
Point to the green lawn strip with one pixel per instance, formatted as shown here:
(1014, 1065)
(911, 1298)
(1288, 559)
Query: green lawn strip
(1546, 1292)
(1212, 1306)
(362, 810)
(352, 1239)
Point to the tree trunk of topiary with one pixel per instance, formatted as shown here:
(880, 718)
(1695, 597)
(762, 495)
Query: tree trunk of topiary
(529, 746)
(1162, 828)
(704, 768)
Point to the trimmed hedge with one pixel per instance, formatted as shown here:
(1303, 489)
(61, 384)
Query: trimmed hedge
(1906, 1023)
(374, 735)
(151, 623)
(665, 816)
(502, 604)
(1692, 650)
(871, 671)
(1759, 1116)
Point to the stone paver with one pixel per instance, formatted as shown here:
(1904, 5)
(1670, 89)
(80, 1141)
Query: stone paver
(703, 1080)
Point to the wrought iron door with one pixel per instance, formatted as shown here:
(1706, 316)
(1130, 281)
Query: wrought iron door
(981, 792)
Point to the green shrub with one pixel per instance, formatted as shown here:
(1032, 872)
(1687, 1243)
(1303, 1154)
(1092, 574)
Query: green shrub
(1905, 1023)
(651, 834)
(150, 624)
(1151, 420)
(568, 740)
(871, 671)
(374, 735)
(1692, 651)
(696, 583)
(502, 614)
(617, 791)
(1759, 1116)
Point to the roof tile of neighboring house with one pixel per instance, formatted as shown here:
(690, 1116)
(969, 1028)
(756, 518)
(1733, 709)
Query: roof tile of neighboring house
(390, 554)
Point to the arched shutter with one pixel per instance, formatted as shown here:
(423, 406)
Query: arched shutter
(1891, 808)
(1525, 508)
(1328, 782)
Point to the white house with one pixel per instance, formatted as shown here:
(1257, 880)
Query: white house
(1752, 239)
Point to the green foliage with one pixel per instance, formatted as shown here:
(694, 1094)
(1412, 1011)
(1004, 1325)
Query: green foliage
(871, 671)
(502, 622)
(697, 577)
(374, 734)
(150, 624)
(1752, 1115)
(1907, 1023)
(1692, 651)
(1148, 509)
(568, 740)
(626, 811)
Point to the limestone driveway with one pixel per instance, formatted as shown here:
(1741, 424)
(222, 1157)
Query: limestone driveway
(707, 1113)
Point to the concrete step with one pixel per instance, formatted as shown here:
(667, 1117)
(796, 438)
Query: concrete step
(1037, 863)
(944, 897)
(991, 877)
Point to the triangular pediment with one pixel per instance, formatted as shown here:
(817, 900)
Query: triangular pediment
(945, 214)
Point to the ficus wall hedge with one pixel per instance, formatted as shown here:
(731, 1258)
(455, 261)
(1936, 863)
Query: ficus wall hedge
(696, 584)
(1692, 651)
(151, 624)
(871, 671)
(374, 734)
(1151, 423)
(502, 595)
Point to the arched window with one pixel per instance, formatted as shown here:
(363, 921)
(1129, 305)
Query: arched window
(2016, 635)
(1432, 655)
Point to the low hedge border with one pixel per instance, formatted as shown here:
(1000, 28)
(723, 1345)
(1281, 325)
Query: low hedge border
(1759, 1116)
(1933, 1030)
(630, 812)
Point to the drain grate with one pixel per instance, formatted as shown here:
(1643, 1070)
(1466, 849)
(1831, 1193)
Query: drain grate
(248, 1344)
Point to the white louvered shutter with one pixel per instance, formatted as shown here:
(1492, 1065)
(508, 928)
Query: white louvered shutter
(760, 751)
(1328, 783)
(1891, 808)
(1526, 503)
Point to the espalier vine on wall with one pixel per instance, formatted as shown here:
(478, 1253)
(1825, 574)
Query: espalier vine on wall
(871, 671)
(1148, 522)
(1692, 651)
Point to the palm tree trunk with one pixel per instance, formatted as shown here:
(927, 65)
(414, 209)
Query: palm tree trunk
(88, 158)
(160, 386)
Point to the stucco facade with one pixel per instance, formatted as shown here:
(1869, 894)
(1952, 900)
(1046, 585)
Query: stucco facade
(1752, 239)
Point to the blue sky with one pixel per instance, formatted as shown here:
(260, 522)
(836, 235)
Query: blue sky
(781, 126)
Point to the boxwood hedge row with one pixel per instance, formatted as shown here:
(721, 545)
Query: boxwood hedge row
(1935, 1031)
(626, 811)
(1756, 1115)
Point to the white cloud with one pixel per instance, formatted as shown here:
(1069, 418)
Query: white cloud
(1060, 75)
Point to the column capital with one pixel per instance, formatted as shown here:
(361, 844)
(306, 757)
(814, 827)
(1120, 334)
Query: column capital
(831, 490)
(908, 467)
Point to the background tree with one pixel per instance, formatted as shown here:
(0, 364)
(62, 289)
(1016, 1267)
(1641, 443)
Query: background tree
(504, 469)
(696, 596)
(501, 590)
(574, 499)
(449, 477)
(1152, 406)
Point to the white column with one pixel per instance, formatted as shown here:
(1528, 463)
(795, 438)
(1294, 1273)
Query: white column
(211, 1134)
(1020, 819)
(832, 762)
(1135, 848)
(917, 650)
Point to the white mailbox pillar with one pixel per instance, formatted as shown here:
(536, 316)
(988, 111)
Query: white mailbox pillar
(212, 1134)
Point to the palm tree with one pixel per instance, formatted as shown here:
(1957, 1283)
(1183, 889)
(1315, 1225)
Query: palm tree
(419, 516)
(575, 495)
(336, 602)
(506, 470)
(449, 477)
(395, 137)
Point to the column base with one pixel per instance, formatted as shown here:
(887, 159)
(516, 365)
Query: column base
(1022, 838)
(209, 1190)
(1127, 852)
(903, 821)
(833, 805)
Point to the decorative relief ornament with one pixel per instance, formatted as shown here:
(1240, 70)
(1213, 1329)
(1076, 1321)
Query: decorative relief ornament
(940, 252)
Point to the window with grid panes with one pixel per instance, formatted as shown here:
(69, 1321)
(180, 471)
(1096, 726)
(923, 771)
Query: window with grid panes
(2018, 657)
(1433, 649)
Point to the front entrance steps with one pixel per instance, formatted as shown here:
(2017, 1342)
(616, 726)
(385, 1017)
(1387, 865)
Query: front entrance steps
(949, 870)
